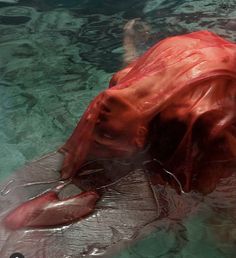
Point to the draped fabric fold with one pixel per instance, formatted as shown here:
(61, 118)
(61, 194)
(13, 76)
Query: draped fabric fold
(186, 81)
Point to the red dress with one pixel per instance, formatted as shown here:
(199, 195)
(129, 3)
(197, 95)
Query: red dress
(180, 97)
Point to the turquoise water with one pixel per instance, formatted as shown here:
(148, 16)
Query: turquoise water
(55, 56)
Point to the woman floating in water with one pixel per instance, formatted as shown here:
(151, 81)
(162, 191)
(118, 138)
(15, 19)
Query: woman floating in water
(171, 110)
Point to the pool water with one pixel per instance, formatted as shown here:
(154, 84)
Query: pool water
(55, 56)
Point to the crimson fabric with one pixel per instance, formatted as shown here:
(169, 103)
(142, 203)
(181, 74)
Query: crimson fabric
(179, 97)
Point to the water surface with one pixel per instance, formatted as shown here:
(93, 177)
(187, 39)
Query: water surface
(55, 56)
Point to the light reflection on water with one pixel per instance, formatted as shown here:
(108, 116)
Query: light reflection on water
(57, 55)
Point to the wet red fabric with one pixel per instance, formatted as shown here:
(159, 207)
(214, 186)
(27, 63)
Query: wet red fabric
(48, 210)
(180, 97)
